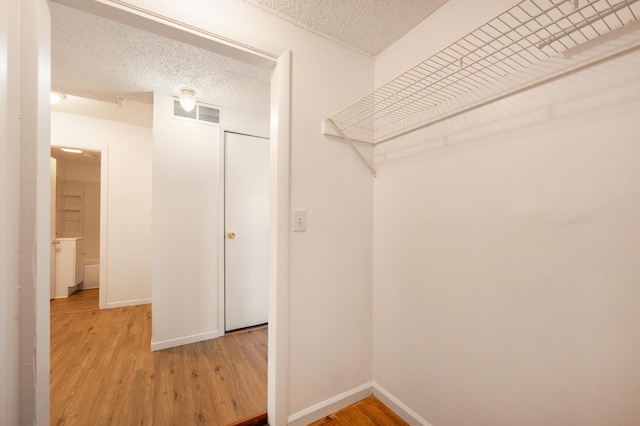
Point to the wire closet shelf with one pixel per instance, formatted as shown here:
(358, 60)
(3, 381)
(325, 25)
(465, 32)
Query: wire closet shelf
(517, 40)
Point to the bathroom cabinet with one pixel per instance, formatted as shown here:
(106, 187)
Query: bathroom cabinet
(69, 265)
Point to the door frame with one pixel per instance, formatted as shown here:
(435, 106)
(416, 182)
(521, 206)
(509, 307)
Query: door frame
(233, 43)
(222, 280)
(53, 162)
(104, 210)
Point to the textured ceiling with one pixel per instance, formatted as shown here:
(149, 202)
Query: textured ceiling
(96, 58)
(100, 59)
(365, 25)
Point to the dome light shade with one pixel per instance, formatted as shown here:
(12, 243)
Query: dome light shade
(187, 99)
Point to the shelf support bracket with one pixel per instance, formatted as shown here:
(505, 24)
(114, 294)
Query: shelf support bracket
(353, 146)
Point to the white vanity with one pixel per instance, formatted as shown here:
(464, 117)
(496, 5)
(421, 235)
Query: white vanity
(69, 265)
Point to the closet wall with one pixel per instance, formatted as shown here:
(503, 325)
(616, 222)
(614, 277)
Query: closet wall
(506, 246)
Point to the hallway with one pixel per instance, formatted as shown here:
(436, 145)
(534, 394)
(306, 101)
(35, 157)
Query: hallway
(103, 372)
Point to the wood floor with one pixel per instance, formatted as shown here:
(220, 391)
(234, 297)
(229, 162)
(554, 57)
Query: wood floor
(369, 411)
(103, 372)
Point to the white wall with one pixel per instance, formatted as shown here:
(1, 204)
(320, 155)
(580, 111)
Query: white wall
(25, 71)
(79, 178)
(9, 192)
(83, 172)
(452, 21)
(128, 199)
(244, 122)
(506, 246)
(138, 113)
(185, 198)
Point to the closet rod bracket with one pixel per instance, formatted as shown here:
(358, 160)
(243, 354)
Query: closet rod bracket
(352, 144)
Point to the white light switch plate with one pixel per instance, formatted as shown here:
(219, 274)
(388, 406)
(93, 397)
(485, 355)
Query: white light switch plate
(299, 220)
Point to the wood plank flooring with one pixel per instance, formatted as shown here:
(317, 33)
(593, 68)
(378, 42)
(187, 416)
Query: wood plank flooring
(103, 372)
(80, 301)
(369, 411)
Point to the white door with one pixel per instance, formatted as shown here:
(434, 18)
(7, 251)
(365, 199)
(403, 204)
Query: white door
(52, 231)
(246, 230)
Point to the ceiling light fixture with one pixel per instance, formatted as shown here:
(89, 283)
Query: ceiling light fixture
(72, 150)
(56, 98)
(187, 99)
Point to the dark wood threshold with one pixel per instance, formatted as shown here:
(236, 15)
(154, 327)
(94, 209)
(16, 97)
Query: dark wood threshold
(258, 419)
(250, 328)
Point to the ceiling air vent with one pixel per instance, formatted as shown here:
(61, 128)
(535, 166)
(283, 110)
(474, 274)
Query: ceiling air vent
(199, 113)
(209, 114)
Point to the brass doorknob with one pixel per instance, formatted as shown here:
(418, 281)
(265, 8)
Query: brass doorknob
(231, 235)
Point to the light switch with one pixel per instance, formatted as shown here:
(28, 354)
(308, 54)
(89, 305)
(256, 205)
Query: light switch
(299, 220)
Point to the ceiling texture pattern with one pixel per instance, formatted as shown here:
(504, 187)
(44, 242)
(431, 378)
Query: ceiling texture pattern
(368, 26)
(100, 59)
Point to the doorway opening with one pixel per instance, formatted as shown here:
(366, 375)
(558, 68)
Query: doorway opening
(278, 222)
(279, 60)
(76, 215)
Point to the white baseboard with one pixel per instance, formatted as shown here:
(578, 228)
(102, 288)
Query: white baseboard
(406, 413)
(185, 340)
(324, 408)
(125, 303)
